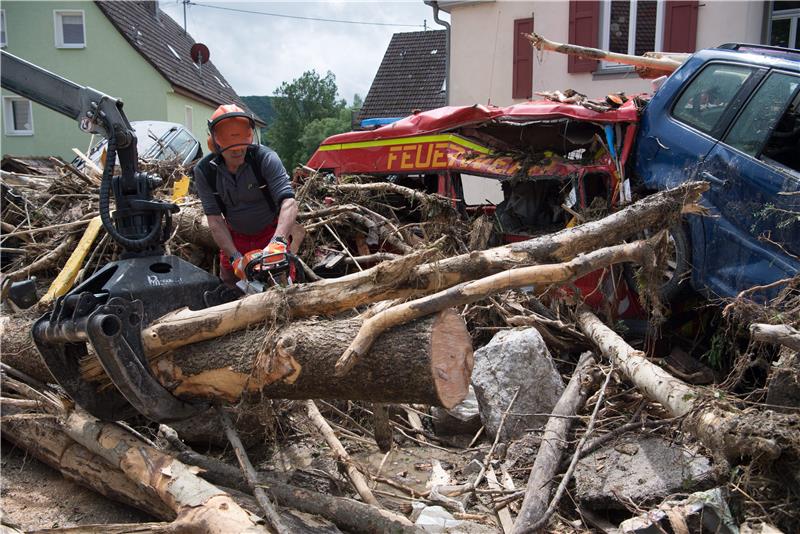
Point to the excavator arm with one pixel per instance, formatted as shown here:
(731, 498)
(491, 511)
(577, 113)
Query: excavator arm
(108, 311)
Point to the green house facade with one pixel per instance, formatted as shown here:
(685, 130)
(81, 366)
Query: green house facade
(129, 50)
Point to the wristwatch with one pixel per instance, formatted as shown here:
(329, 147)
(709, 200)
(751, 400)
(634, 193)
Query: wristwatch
(280, 239)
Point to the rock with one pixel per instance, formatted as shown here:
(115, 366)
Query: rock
(644, 471)
(705, 511)
(514, 360)
(463, 419)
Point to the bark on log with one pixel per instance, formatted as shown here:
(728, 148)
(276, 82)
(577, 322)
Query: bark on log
(723, 429)
(191, 225)
(776, 334)
(46, 441)
(428, 362)
(554, 441)
(18, 349)
(198, 505)
(396, 280)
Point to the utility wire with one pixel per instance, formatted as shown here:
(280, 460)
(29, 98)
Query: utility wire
(297, 17)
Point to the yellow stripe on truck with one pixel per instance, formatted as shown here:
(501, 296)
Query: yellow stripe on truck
(450, 138)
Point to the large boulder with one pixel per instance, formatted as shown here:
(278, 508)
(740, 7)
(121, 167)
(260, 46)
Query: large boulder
(514, 360)
(640, 470)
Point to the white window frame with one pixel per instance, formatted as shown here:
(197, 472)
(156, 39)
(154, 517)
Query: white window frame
(8, 114)
(3, 44)
(794, 17)
(58, 27)
(605, 29)
(188, 117)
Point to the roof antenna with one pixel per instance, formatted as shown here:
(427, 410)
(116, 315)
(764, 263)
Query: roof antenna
(185, 2)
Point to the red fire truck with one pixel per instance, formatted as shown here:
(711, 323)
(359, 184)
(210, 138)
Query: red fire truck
(546, 165)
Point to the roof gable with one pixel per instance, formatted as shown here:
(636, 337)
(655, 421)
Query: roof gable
(411, 76)
(163, 44)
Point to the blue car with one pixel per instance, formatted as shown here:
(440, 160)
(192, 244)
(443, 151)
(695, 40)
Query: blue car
(730, 116)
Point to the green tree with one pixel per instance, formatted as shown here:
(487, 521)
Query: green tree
(316, 131)
(297, 104)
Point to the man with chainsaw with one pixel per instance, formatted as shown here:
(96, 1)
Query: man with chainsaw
(246, 194)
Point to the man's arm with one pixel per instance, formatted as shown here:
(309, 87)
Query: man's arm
(286, 219)
(221, 234)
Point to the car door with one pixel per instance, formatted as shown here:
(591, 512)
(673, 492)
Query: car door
(681, 126)
(753, 171)
(686, 117)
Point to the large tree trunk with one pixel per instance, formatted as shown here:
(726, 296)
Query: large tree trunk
(428, 361)
(403, 279)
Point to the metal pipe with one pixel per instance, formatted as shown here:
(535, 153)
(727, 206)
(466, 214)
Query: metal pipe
(435, 5)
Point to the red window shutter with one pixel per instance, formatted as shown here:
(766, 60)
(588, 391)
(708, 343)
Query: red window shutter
(523, 60)
(680, 26)
(584, 30)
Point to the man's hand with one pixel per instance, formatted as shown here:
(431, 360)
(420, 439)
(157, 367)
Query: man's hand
(238, 262)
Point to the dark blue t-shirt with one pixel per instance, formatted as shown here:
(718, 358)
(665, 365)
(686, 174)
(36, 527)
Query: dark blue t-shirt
(246, 209)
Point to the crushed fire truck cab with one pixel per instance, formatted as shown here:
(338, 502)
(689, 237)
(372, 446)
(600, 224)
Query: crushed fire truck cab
(550, 164)
(550, 159)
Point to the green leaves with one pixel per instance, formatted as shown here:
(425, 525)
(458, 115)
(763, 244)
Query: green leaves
(306, 112)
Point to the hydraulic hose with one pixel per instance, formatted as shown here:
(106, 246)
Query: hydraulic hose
(135, 245)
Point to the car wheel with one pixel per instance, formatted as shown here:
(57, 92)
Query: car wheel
(678, 265)
(678, 269)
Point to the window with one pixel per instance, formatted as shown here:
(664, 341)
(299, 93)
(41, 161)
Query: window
(69, 29)
(187, 117)
(181, 146)
(770, 121)
(18, 115)
(705, 99)
(479, 190)
(784, 24)
(631, 27)
(3, 41)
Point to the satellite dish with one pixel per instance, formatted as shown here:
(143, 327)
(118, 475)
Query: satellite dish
(199, 53)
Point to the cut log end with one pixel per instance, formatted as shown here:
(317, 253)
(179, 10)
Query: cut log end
(451, 358)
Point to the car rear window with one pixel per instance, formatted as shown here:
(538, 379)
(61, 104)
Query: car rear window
(706, 98)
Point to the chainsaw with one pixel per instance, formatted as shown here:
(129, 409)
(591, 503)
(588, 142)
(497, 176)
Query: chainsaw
(268, 269)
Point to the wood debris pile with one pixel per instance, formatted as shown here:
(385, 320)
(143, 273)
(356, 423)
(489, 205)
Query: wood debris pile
(402, 286)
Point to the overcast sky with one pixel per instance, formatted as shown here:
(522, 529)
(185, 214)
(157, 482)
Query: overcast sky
(256, 53)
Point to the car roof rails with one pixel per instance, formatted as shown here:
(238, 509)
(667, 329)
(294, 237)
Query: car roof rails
(767, 50)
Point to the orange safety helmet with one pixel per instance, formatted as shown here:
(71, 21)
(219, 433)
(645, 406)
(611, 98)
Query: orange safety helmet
(230, 126)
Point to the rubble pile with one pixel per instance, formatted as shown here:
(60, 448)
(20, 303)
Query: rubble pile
(461, 385)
